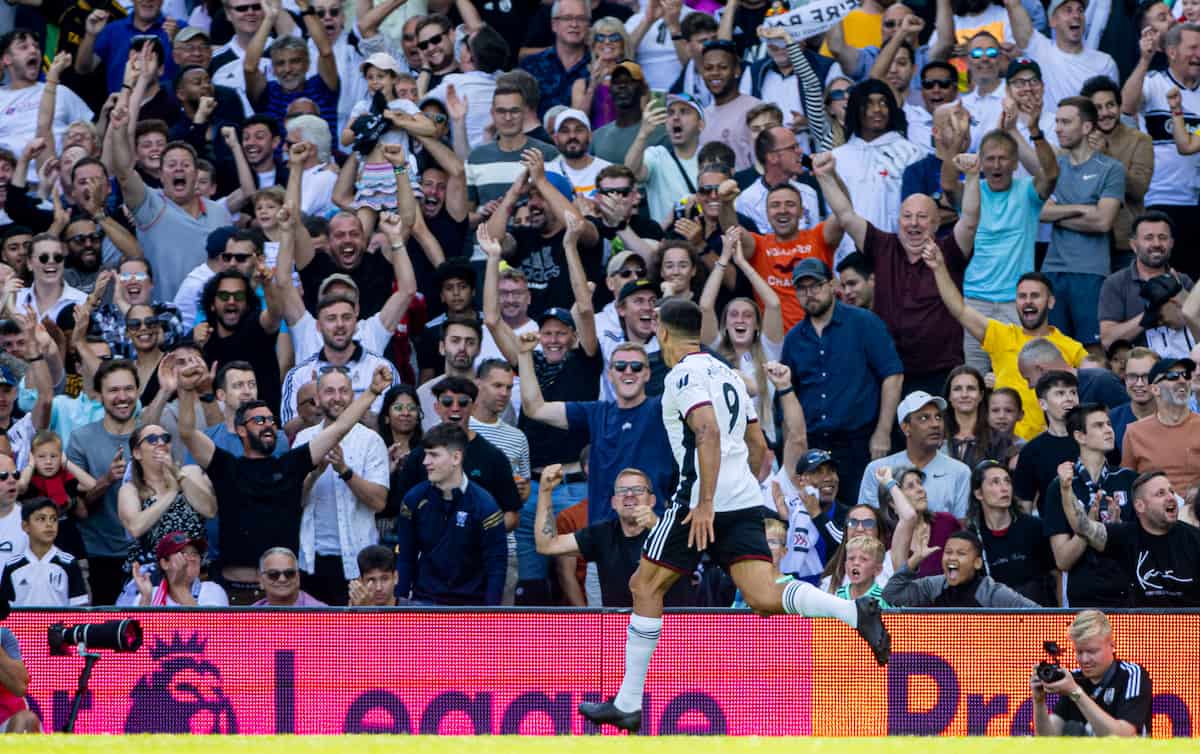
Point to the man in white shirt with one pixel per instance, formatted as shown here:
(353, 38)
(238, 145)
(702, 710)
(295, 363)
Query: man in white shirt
(573, 137)
(320, 174)
(486, 53)
(1065, 62)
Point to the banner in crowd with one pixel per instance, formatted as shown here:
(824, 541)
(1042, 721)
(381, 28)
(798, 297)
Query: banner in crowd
(813, 18)
(230, 671)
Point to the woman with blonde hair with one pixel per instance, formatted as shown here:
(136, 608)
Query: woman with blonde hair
(610, 43)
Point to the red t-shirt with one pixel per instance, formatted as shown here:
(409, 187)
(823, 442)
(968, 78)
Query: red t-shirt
(774, 260)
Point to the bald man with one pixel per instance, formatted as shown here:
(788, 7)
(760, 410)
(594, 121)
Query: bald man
(928, 338)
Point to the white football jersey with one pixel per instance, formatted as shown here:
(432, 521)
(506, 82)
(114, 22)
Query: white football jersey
(700, 379)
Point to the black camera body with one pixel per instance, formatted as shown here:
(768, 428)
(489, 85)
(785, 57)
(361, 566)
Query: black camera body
(117, 635)
(1049, 671)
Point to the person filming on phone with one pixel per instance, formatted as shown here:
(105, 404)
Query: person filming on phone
(1104, 697)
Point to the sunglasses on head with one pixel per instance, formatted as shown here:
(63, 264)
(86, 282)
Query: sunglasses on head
(248, 8)
(228, 296)
(85, 237)
(227, 256)
(614, 37)
(261, 421)
(286, 574)
(637, 273)
(436, 39)
(990, 52)
(632, 366)
(133, 277)
(45, 258)
(138, 324)
(333, 12)
(156, 439)
(333, 368)
(449, 400)
(938, 83)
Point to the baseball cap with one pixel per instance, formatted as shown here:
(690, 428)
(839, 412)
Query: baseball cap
(636, 286)
(917, 400)
(1023, 64)
(382, 61)
(688, 100)
(618, 260)
(1056, 4)
(190, 32)
(337, 277)
(6, 376)
(632, 68)
(562, 183)
(571, 113)
(811, 268)
(550, 116)
(1162, 366)
(814, 458)
(175, 542)
(559, 313)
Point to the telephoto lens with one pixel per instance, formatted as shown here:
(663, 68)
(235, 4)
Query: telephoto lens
(117, 635)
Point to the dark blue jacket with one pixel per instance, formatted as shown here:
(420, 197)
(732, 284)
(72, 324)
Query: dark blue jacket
(451, 552)
(764, 65)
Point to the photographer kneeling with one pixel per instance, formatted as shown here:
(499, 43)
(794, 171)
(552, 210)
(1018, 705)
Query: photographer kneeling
(1105, 697)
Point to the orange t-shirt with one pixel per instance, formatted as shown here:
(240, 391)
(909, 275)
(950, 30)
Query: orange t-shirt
(774, 260)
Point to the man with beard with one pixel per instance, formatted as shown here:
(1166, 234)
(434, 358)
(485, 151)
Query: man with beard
(260, 139)
(113, 42)
(84, 240)
(669, 171)
(725, 118)
(337, 322)
(372, 273)
(49, 293)
(20, 98)
(947, 481)
(1168, 440)
(435, 41)
(539, 249)
(455, 282)
(483, 463)
(341, 497)
(259, 496)
(172, 222)
(472, 90)
(444, 208)
(573, 136)
(223, 247)
(459, 346)
(133, 285)
(238, 328)
(100, 449)
(1125, 306)
(1067, 60)
(1158, 554)
(289, 64)
(627, 85)
(1128, 146)
(927, 336)
(1172, 188)
(846, 373)
(558, 67)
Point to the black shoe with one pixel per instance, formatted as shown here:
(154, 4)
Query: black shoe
(871, 628)
(607, 712)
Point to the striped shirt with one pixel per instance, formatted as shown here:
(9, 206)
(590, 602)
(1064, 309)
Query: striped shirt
(362, 366)
(491, 171)
(510, 440)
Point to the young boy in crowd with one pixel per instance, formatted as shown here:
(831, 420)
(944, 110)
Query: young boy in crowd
(49, 474)
(864, 562)
(44, 575)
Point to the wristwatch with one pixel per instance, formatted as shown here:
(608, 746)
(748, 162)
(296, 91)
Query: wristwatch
(1039, 136)
(1076, 694)
(100, 216)
(345, 475)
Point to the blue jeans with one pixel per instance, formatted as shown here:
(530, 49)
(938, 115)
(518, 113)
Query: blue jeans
(1076, 309)
(530, 565)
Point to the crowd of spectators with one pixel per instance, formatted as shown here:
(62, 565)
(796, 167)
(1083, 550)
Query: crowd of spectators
(312, 302)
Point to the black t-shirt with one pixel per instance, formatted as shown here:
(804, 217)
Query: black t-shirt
(576, 378)
(452, 236)
(745, 26)
(1037, 466)
(1094, 581)
(1124, 692)
(1019, 557)
(1162, 570)
(616, 557)
(250, 342)
(258, 502)
(544, 263)
(373, 275)
(483, 463)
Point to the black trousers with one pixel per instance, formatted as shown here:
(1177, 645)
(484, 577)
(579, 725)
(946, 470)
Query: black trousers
(327, 582)
(107, 578)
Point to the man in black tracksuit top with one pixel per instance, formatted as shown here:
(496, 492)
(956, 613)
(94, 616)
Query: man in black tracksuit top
(450, 532)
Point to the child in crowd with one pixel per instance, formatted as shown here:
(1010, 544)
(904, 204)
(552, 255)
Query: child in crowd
(49, 474)
(43, 575)
(864, 563)
(1004, 412)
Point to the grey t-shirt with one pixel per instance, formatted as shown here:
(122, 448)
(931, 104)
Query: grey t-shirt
(1098, 177)
(93, 448)
(492, 171)
(612, 142)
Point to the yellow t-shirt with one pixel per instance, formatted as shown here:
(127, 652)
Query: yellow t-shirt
(1003, 342)
(861, 29)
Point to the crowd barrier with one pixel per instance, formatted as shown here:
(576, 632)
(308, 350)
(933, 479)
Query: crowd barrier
(519, 671)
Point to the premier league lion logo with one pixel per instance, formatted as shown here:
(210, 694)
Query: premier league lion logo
(183, 696)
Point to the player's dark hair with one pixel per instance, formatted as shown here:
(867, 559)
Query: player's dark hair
(681, 317)
(239, 416)
(858, 262)
(1142, 480)
(1037, 277)
(939, 65)
(1152, 216)
(462, 321)
(1052, 379)
(1097, 84)
(35, 504)
(266, 121)
(1083, 105)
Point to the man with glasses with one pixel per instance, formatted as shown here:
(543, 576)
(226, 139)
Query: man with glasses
(1138, 364)
(86, 252)
(558, 67)
(435, 43)
(1066, 59)
(133, 284)
(279, 581)
(246, 17)
(1170, 439)
(986, 62)
(781, 158)
(487, 53)
(621, 227)
(238, 327)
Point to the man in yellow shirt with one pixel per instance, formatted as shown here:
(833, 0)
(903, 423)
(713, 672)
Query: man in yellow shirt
(1003, 342)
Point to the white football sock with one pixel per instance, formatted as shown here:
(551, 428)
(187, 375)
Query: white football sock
(800, 598)
(640, 640)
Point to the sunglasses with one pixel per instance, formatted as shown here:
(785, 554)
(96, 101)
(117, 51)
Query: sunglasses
(228, 296)
(330, 13)
(634, 490)
(138, 324)
(227, 256)
(4, 475)
(636, 273)
(45, 258)
(624, 191)
(710, 189)
(436, 39)
(400, 408)
(449, 400)
(261, 421)
(860, 523)
(1174, 374)
(938, 84)
(632, 366)
(837, 95)
(85, 237)
(607, 38)
(990, 52)
(133, 277)
(438, 119)
(249, 8)
(286, 574)
(156, 439)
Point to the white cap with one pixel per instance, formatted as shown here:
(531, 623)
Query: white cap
(382, 61)
(915, 401)
(572, 114)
